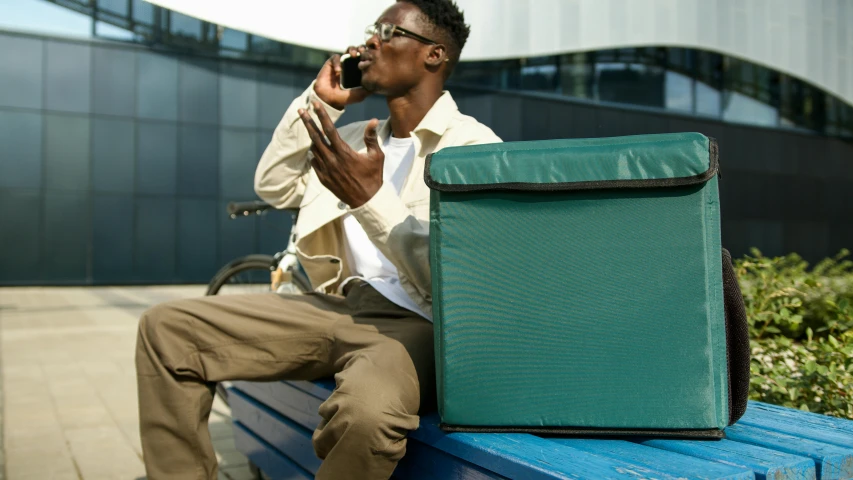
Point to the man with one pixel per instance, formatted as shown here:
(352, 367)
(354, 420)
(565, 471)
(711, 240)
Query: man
(363, 241)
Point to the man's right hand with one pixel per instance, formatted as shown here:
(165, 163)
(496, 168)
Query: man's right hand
(328, 85)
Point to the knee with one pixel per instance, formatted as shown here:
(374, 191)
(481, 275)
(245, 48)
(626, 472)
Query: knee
(375, 424)
(154, 321)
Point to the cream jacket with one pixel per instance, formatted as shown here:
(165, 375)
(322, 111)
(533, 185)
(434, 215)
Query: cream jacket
(397, 225)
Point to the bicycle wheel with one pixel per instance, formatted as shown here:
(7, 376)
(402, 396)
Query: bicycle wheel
(249, 274)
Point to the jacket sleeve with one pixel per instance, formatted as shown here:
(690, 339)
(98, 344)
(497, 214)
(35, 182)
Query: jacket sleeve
(404, 238)
(282, 172)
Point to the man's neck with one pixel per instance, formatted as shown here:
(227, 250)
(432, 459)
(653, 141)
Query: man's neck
(408, 110)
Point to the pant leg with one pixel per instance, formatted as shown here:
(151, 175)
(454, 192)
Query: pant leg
(384, 355)
(185, 346)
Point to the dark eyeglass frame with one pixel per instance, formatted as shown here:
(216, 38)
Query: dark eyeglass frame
(377, 29)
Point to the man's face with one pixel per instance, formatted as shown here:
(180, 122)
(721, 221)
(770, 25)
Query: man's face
(394, 67)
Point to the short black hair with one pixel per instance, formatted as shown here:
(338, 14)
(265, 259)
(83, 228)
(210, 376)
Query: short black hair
(448, 22)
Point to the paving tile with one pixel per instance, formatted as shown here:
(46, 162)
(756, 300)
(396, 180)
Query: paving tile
(37, 465)
(69, 378)
(92, 446)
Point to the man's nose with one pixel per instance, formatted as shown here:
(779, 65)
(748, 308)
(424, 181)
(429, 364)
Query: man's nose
(371, 43)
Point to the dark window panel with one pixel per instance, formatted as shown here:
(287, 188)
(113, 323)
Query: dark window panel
(838, 203)
(143, 12)
(479, 106)
(68, 77)
(66, 152)
(264, 137)
(535, 124)
(236, 237)
(116, 7)
(840, 236)
(809, 239)
(198, 163)
(274, 231)
(114, 81)
(67, 237)
(740, 237)
(20, 235)
(199, 91)
(112, 155)
(353, 113)
(184, 26)
(197, 238)
(157, 95)
(21, 147)
(276, 91)
(21, 72)
(584, 120)
(154, 239)
(112, 239)
(237, 163)
(233, 40)
(506, 117)
(238, 96)
(156, 160)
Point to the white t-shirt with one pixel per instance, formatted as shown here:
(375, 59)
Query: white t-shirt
(366, 260)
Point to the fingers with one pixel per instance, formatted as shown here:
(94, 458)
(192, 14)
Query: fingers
(328, 126)
(353, 51)
(314, 132)
(371, 139)
(317, 162)
(335, 61)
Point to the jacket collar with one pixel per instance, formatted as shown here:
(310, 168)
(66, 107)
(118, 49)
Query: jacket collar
(436, 120)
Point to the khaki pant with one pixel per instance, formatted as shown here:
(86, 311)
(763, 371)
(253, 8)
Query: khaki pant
(380, 354)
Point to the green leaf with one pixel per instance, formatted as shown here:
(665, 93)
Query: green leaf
(810, 366)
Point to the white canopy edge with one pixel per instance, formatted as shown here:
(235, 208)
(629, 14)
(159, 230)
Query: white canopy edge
(808, 39)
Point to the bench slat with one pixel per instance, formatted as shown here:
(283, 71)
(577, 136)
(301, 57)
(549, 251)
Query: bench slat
(770, 442)
(265, 457)
(764, 462)
(799, 424)
(672, 463)
(510, 455)
(286, 400)
(831, 461)
(294, 441)
(285, 435)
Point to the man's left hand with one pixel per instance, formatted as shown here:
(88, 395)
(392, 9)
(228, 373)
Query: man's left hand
(353, 177)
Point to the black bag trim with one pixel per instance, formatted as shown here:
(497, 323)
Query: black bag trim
(713, 169)
(711, 433)
(738, 354)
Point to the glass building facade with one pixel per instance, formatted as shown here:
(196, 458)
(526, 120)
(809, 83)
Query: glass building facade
(701, 83)
(683, 80)
(117, 158)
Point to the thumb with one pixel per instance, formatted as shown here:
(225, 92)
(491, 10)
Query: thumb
(371, 140)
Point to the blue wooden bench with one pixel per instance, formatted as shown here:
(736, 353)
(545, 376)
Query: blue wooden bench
(273, 424)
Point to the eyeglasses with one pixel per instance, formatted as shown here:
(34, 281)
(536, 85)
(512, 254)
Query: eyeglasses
(386, 31)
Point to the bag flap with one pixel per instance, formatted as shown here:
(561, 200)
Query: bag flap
(641, 161)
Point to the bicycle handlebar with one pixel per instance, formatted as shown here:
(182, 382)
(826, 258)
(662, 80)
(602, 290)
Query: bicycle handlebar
(257, 207)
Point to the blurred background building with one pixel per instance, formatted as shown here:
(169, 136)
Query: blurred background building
(126, 127)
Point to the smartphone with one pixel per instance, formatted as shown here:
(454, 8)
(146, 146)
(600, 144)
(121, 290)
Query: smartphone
(350, 74)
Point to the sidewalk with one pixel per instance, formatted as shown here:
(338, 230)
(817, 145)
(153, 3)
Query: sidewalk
(68, 379)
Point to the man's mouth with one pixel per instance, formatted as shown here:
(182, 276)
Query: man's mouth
(365, 61)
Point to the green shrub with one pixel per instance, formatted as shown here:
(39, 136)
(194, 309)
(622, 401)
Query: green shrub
(801, 326)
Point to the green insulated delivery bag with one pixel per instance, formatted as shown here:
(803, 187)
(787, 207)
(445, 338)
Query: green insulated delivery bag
(578, 287)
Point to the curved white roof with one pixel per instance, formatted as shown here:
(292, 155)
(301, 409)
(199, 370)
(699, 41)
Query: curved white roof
(811, 39)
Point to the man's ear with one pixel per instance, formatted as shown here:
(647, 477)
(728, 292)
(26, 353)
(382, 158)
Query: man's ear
(437, 55)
